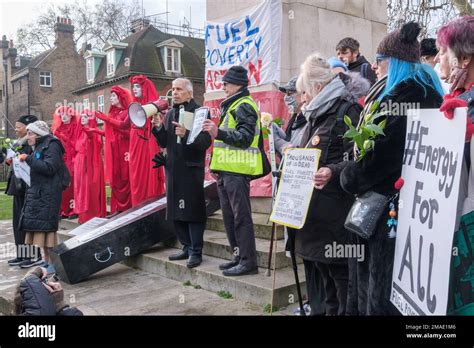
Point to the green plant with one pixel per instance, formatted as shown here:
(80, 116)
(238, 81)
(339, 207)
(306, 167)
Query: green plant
(364, 135)
(268, 308)
(187, 283)
(224, 294)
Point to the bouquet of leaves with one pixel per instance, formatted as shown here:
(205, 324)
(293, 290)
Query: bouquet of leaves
(5, 142)
(267, 119)
(364, 135)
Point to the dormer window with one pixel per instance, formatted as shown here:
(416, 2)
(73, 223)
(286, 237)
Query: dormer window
(111, 63)
(171, 54)
(93, 59)
(90, 69)
(114, 50)
(173, 60)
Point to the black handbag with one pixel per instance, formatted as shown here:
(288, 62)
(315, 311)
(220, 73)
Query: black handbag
(365, 213)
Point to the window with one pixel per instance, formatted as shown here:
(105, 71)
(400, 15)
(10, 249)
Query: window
(169, 97)
(100, 103)
(173, 59)
(45, 79)
(110, 62)
(90, 69)
(85, 103)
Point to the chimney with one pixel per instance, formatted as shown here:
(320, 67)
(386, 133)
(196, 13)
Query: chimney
(139, 24)
(64, 32)
(4, 42)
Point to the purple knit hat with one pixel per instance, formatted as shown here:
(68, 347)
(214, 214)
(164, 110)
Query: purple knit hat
(402, 43)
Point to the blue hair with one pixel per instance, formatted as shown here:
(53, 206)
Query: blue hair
(401, 70)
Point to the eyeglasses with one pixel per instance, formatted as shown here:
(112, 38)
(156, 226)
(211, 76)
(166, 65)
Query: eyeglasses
(379, 58)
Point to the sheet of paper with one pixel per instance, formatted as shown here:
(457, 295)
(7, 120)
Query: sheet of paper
(200, 116)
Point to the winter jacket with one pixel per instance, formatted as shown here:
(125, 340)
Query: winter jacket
(43, 197)
(37, 300)
(364, 68)
(329, 206)
(184, 169)
(292, 135)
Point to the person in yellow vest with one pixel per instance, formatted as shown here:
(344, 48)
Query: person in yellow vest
(237, 159)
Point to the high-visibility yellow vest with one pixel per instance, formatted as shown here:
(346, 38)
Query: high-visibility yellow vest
(232, 159)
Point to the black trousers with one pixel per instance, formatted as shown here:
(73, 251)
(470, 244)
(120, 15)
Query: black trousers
(234, 195)
(191, 236)
(335, 279)
(315, 288)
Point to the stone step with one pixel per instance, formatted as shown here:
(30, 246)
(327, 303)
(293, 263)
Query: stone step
(216, 244)
(256, 289)
(262, 226)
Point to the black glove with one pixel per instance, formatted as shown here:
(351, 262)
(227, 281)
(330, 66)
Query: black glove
(159, 160)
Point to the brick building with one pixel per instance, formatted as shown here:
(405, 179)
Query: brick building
(162, 57)
(36, 85)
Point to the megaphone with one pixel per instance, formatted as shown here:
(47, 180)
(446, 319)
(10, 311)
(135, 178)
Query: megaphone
(138, 113)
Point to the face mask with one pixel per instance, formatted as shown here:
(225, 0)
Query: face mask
(291, 102)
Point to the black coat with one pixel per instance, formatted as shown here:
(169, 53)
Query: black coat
(328, 207)
(15, 186)
(43, 198)
(35, 298)
(184, 169)
(362, 66)
(380, 168)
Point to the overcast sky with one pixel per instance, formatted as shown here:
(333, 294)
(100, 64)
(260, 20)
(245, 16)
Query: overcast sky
(14, 14)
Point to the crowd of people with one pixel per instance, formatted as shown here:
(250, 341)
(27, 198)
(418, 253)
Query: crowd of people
(436, 73)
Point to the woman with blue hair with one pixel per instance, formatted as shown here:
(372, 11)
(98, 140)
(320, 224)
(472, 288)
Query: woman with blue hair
(403, 83)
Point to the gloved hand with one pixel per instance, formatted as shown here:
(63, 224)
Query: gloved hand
(159, 160)
(450, 105)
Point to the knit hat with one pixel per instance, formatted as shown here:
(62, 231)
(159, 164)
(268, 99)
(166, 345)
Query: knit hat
(27, 119)
(39, 127)
(336, 63)
(402, 43)
(428, 47)
(236, 75)
(290, 86)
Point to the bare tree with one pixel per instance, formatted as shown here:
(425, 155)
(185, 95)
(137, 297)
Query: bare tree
(108, 20)
(430, 14)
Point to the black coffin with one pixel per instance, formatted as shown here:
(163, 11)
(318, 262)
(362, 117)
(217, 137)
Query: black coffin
(111, 241)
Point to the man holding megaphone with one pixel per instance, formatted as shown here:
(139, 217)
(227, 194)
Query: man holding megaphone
(184, 167)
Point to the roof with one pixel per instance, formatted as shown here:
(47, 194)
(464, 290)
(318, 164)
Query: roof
(26, 63)
(145, 58)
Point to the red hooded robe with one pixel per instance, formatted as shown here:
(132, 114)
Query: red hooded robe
(89, 186)
(117, 143)
(67, 134)
(145, 182)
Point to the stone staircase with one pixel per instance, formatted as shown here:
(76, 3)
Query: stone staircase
(256, 289)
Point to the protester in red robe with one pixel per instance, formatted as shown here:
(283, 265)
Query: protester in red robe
(117, 143)
(89, 181)
(64, 127)
(145, 182)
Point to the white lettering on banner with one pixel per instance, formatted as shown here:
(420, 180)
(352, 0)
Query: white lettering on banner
(253, 41)
(431, 171)
(296, 187)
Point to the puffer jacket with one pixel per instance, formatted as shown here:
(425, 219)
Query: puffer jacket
(43, 197)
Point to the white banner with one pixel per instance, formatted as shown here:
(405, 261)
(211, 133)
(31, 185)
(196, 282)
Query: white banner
(22, 170)
(432, 162)
(296, 187)
(253, 41)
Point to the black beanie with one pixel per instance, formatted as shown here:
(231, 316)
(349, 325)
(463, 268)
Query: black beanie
(428, 47)
(27, 119)
(236, 75)
(402, 43)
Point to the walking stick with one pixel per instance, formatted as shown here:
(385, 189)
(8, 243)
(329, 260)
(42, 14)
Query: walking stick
(274, 276)
(291, 240)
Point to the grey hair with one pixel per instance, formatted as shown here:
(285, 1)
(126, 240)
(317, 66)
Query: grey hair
(300, 84)
(315, 71)
(188, 84)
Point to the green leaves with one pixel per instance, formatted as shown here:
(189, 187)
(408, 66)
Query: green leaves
(363, 136)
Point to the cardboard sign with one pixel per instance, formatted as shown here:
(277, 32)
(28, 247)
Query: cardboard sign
(296, 187)
(432, 161)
